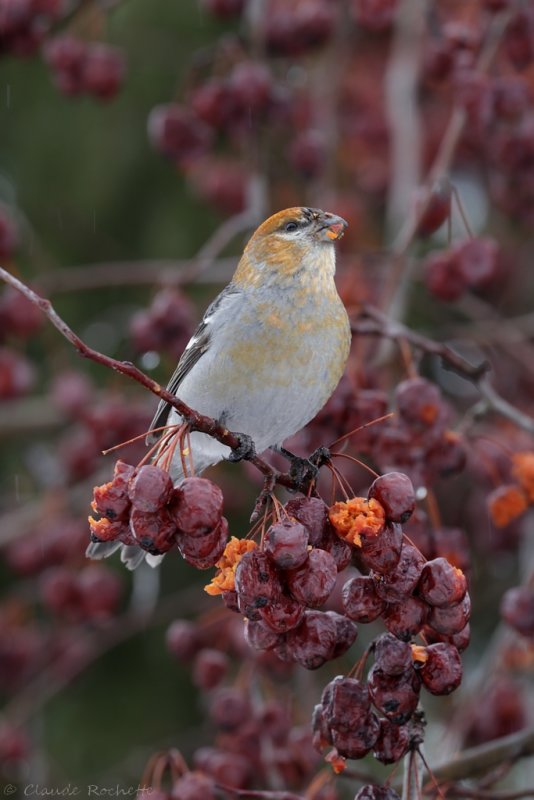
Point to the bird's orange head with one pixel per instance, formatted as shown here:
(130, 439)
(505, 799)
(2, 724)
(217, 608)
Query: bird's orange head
(289, 242)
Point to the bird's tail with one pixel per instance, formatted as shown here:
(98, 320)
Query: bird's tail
(207, 451)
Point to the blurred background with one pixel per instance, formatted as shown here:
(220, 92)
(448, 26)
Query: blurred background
(140, 144)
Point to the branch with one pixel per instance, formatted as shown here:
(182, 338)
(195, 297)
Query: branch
(195, 421)
(372, 322)
(485, 756)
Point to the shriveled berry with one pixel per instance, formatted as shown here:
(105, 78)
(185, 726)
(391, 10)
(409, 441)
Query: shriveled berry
(340, 551)
(346, 633)
(442, 671)
(391, 655)
(441, 584)
(382, 553)
(204, 551)
(312, 512)
(396, 696)
(451, 619)
(360, 600)
(183, 640)
(313, 642)
(282, 614)
(197, 506)
(178, 133)
(392, 743)
(286, 543)
(153, 531)
(259, 636)
(419, 402)
(150, 488)
(405, 619)
(346, 703)
(256, 581)
(517, 609)
(400, 583)
(395, 493)
(209, 668)
(229, 708)
(356, 743)
(313, 582)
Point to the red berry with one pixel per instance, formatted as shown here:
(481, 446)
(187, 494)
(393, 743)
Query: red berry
(395, 696)
(374, 15)
(391, 655)
(209, 668)
(451, 619)
(432, 209)
(177, 133)
(419, 402)
(517, 609)
(397, 585)
(392, 743)
(100, 591)
(204, 551)
(286, 542)
(150, 488)
(443, 277)
(360, 600)
(405, 619)
(103, 70)
(312, 512)
(257, 582)
(442, 671)
(441, 584)
(313, 582)
(282, 614)
(477, 261)
(395, 493)
(197, 506)
(358, 742)
(313, 642)
(183, 640)
(382, 553)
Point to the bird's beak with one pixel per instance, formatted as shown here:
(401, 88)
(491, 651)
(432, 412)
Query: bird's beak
(332, 227)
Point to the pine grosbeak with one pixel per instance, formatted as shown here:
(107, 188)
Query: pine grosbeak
(270, 349)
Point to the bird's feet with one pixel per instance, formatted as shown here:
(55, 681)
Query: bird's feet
(304, 471)
(245, 450)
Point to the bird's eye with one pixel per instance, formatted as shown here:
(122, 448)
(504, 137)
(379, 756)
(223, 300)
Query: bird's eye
(291, 226)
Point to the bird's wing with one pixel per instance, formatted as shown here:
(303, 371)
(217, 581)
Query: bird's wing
(195, 349)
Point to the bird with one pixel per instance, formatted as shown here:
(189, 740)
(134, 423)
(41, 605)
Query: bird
(269, 351)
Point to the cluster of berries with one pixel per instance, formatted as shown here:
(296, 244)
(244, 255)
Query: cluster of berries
(470, 264)
(255, 735)
(80, 67)
(25, 23)
(141, 507)
(165, 326)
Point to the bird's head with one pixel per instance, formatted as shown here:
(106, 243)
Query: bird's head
(290, 241)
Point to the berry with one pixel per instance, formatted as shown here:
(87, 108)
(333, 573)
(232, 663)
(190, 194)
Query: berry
(259, 636)
(392, 743)
(477, 261)
(391, 655)
(405, 619)
(150, 488)
(256, 581)
(313, 582)
(204, 551)
(433, 209)
(177, 133)
(451, 619)
(153, 531)
(443, 278)
(395, 696)
(282, 614)
(357, 743)
(250, 84)
(183, 640)
(441, 584)
(229, 708)
(517, 609)
(400, 583)
(419, 402)
(313, 642)
(209, 668)
(346, 703)
(311, 512)
(102, 72)
(286, 543)
(196, 506)
(346, 633)
(360, 600)
(374, 15)
(395, 493)
(442, 671)
(382, 553)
